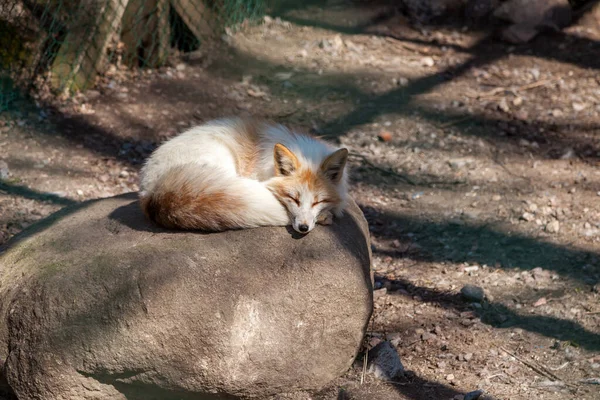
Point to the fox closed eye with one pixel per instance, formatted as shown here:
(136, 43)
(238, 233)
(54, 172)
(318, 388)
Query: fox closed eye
(317, 202)
(294, 198)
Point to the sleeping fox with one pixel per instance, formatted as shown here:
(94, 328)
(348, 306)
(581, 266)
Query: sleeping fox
(239, 173)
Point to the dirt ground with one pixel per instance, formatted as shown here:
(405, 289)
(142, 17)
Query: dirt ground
(474, 161)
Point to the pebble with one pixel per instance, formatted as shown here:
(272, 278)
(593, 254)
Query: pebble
(384, 362)
(4, 171)
(385, 136)
(473, 293)
(517, 101)
(474, 395)
(568, 154)
(553, 226)
(458, 163)
(540, 302)
(527, 216)
(503, 105)
(427, 62)
(591, 381)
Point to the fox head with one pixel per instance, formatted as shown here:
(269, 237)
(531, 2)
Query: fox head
(308, 192)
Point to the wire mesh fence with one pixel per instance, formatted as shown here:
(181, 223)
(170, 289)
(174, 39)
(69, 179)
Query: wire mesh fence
(68, 43)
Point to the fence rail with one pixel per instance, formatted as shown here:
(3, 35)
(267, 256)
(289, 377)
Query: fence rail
(68, 43)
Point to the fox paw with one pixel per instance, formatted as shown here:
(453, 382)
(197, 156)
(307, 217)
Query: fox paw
(325, 218)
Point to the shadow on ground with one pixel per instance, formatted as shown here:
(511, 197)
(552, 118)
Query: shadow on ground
(498, 315)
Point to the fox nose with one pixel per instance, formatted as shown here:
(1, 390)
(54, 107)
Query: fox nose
(303, 228)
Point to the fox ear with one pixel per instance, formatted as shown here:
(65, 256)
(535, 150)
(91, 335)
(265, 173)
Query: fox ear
(286, 162)
(333, 165)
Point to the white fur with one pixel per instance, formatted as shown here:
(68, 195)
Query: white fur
(212, 147)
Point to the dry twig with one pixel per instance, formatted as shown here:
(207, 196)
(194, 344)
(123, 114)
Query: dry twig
(537, 368)
(495, 91)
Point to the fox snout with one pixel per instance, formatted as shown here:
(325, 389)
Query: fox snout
(303, 226)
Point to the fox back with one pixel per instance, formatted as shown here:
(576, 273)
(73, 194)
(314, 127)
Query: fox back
(241, 173)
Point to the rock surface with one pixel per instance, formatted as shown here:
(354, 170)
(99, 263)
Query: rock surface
(97, 303)
(384, 361)
(528, 17)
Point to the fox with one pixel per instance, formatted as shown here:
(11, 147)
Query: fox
(237, 173)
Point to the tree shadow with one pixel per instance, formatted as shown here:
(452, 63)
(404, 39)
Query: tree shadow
(499, 316)
(410, 387)
(460, 241)
(400, 101)
(31, 194)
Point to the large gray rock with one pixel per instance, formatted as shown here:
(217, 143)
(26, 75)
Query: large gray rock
(97, 303)
(529, 17)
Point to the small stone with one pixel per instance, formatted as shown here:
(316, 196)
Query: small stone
(591, 381)
(427, 62)
(426, 336)
(180, 67)
(540, 302)
(503, 105)
(579, 106)
(568, 154)
(379, 293)
(473, 293)
(527, 216)
(395, 338)
(123, 174)
(517, 101)
(385, 136)
(384, 362)
(474, 395)
(468, 357)
(450, 377)
(556, 113)
(553, 226)
(524, 143)
(4, 171)
(459, 163)
(79, 192)
(496, 197)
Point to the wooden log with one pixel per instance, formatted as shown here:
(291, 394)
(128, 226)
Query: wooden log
(83, 52)
(146, 33)
(197, 16)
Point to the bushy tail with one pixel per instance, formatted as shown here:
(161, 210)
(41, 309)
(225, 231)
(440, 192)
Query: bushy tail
(200, 197)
